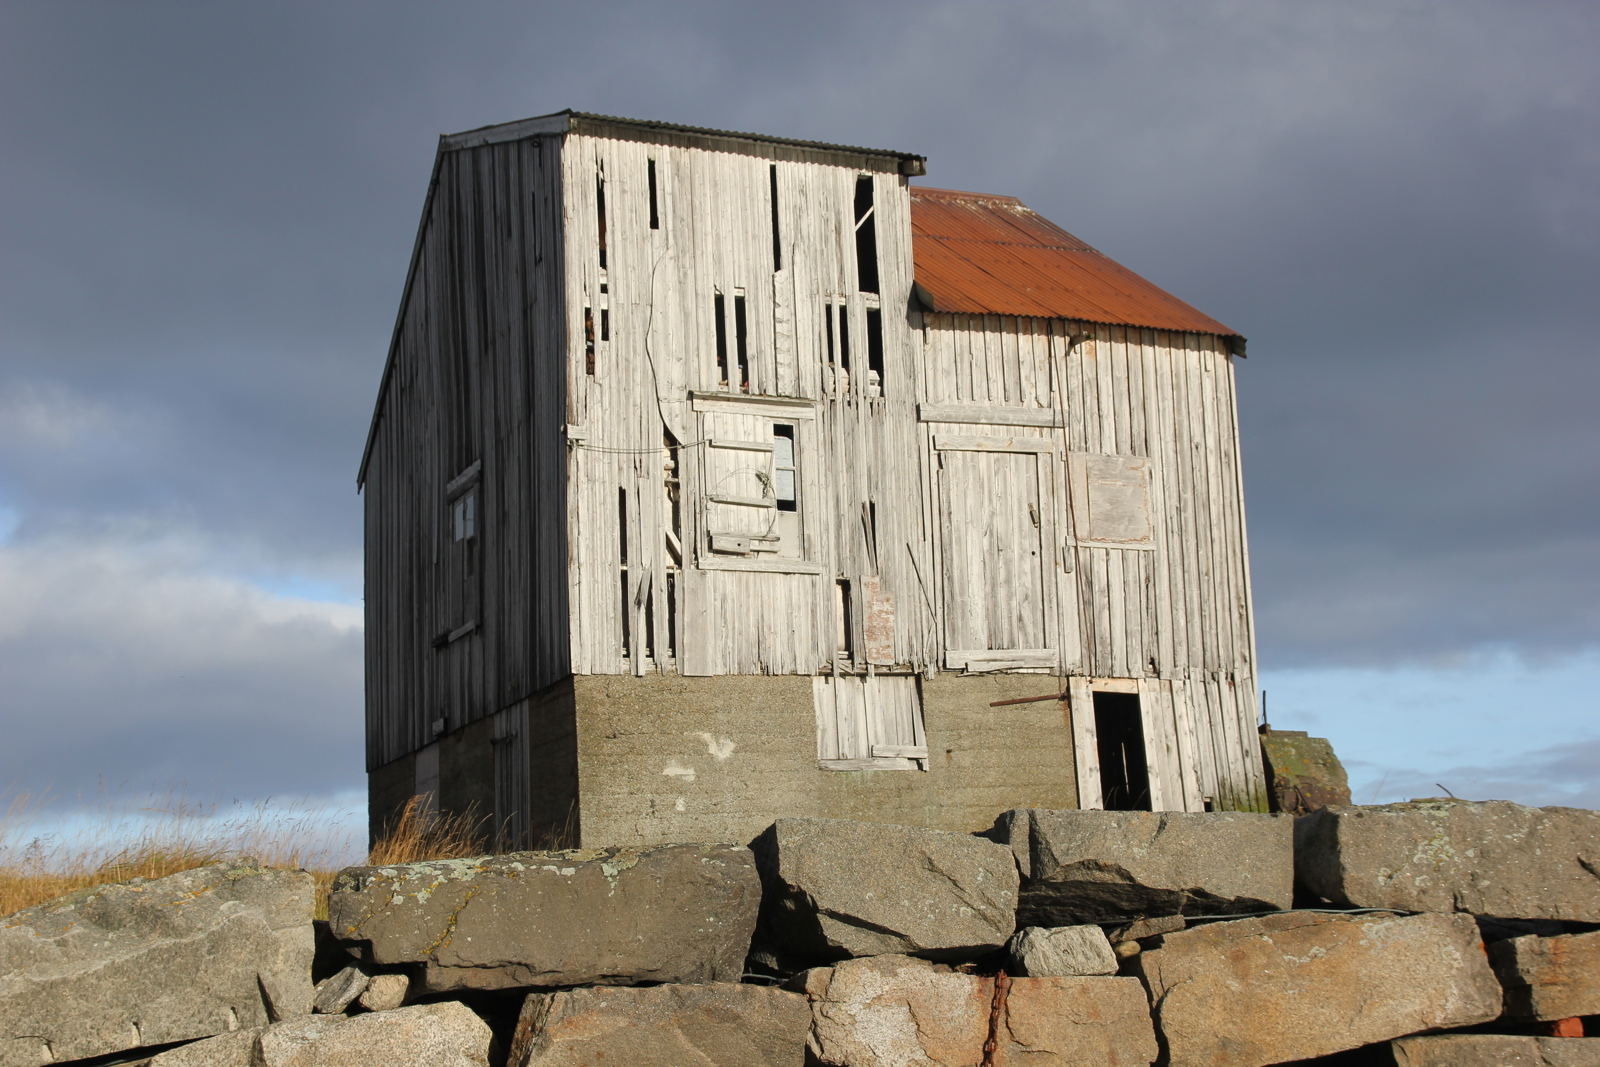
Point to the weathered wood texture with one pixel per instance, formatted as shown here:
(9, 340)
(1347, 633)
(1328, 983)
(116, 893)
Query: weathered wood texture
(477, 376)
(661, 403)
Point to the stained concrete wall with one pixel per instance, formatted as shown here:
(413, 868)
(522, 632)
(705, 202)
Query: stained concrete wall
(718, 759)
(618, 760)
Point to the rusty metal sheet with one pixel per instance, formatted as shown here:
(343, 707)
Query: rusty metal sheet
(993, 255)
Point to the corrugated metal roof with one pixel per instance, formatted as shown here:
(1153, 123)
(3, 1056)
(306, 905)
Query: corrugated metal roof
(561, 121)
(994, 255)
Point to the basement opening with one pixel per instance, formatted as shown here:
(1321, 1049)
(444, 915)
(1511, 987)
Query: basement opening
(1119, 732)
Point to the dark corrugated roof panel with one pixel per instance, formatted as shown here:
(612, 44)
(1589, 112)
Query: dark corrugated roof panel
(993, 255)
(562, 121)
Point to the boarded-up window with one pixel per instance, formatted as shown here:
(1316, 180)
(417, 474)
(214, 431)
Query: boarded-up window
(997, 577)
(1111, 499)
(753, 468)
(869, 723)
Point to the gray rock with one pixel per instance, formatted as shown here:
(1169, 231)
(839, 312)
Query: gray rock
(203, 952)
(1061, 951)
(1549, 977)
(385, 992)
(1303, 774)
(617, 916)
(715, 1025)
(1488, 857)
(444, 1034)
(224, 1050)
(836, 889)
(1104, 866)
(1301, 985)
(1570, 1051)
(1067, 1022)
(335, 993)
(895, 1011)
(1495, 1050)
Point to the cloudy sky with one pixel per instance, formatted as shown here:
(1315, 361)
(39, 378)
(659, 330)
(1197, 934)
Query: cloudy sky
(206, 212)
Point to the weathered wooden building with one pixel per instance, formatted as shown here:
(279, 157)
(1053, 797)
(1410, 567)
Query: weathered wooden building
(716, 477)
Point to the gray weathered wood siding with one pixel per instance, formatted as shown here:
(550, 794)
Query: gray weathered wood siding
(857, 458)
(477, 375)
(1172, 611)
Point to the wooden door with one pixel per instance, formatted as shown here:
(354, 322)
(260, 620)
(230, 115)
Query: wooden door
(998, 575)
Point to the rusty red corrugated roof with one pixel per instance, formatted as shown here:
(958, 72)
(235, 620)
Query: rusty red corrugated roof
(994, 255)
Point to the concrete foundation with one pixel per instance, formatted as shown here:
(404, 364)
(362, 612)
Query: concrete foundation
(619, 760)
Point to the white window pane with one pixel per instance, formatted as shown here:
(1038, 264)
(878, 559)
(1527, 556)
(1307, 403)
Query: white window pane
(782, 451)
(784, 482)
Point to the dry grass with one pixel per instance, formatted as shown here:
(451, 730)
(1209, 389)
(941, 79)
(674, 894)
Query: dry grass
(113, 843)
(420, 835)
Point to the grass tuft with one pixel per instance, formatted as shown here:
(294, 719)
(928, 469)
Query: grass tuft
(420, 834)
(110, 842)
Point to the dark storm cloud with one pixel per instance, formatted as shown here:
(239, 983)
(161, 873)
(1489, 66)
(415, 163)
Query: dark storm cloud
(207, 211)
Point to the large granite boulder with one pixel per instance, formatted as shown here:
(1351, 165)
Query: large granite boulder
(1061, 951)
(715, 1025)
(1065, 1022)
(616, 916)
(1549, 977)
(443, 1034)
(1302, 984)
(1104, 866)
(224, 1050)
(836, 889)
(1488, 857)
(148, 962)
(1495, 1050)
(896, 1011)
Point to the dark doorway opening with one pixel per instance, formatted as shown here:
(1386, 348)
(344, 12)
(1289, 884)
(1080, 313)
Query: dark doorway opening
(1124, 775)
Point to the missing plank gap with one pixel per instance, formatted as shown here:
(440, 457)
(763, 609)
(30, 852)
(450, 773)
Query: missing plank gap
(672, 616)
(622, 571)
(777, 245)
(740, 343)
(843, 636)
(600, 207)
(655, 214)
(866, 237)
(588, 341)
(719, 310)
(844, 338)
(605, 324)
(874, 350)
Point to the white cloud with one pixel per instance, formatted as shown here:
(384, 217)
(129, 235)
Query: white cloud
(129, 658)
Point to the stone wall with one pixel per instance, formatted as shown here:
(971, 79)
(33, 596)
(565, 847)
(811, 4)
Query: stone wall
(857, 944)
